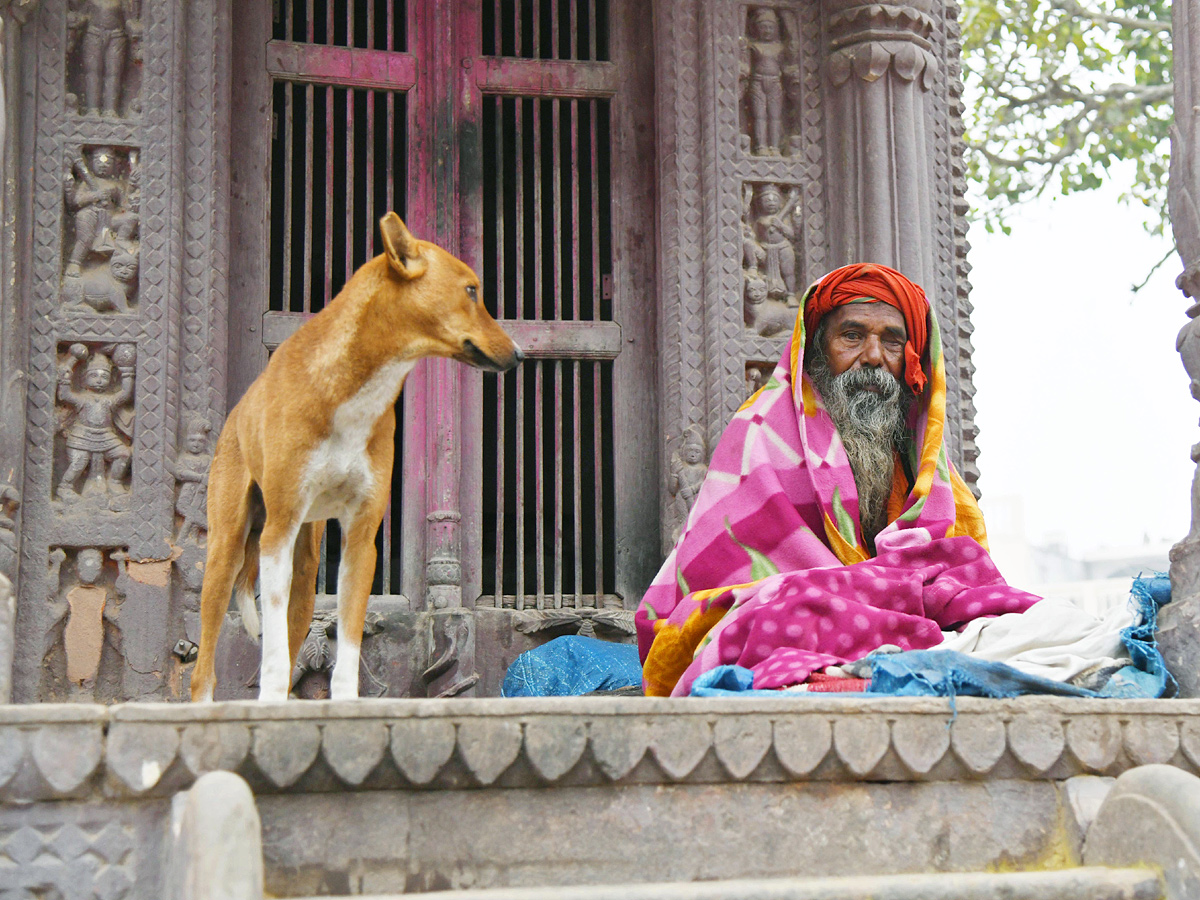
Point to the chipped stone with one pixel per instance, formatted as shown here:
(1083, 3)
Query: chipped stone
(421, 747)
(12, 753)
(1095, 741)
(354, 747)
(802, 742)
(554, 744)
(1037, 740)
(66, 755)
(921, 742)
(741, 742)
(213, 746)
(861, 741)
(679, 743)
(618, 744)
(139, 754)
(1151, 740)
(488, 746)
(284, 751)
(978, 741)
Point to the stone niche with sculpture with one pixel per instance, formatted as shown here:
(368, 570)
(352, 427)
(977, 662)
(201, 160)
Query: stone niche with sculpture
(104, 57)
(94, 417)
(102, 240)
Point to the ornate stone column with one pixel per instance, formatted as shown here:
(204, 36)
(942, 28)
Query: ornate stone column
(894, 161)
(1179, 623)
(881, 68)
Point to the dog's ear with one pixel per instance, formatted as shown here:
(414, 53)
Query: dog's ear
(402, 250)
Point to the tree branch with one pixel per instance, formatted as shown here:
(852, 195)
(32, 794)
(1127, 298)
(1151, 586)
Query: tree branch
(1076, 9)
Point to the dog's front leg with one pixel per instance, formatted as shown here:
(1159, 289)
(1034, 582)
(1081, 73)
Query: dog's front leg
(354, 590)
(276, 550)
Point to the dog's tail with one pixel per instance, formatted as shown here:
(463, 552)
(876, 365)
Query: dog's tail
(243, 588)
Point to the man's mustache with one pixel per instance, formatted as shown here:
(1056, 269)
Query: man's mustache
(876, 380)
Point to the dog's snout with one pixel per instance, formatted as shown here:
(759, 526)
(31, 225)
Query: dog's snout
(518, 354)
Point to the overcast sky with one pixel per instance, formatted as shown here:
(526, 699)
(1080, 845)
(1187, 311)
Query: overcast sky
(1084, 411)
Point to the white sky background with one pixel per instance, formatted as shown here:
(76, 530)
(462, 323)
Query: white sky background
(1083, 404)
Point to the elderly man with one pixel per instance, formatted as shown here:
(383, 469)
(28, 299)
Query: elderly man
(831, 522)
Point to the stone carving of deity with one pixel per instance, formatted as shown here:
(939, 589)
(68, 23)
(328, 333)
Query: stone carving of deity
(190, 469)
(774, 233)
(688, 468)
(764, 62)
(107, 32)
(95, 421)
(102, 265)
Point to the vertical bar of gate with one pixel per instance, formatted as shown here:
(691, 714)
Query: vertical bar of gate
(389, 102)
(329, 26)
(519, 170)
(498, 18)
(498, 108)
(555, 48)
(308, 188)
(288, 146)
(572, 31)
(539, 306)
(330, 169)
(370, 30)
(593, 39)
(518, 44)
(598, 418)
(575, 276)
(309, 23)
(555, 174)
(536, 30)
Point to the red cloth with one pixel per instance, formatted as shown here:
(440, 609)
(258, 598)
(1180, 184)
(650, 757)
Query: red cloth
(820, 683)
(853, 282)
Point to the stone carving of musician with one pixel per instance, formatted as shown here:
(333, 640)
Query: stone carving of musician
(190, 469)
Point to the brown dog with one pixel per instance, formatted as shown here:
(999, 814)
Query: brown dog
(312, 440)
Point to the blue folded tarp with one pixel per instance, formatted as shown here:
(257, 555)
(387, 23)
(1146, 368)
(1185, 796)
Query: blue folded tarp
(572, 665)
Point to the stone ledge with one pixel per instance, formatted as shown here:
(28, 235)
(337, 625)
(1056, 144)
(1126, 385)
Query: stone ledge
(53, 752)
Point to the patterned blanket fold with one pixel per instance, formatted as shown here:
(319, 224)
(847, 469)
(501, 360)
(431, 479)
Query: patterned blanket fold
(772, 572)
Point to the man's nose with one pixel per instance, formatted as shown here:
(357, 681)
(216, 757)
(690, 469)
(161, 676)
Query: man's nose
(872, 353)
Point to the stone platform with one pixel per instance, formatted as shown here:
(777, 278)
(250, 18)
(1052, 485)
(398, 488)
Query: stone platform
(385, 796)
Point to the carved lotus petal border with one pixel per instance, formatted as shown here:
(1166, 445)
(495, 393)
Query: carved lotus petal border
(405, 745)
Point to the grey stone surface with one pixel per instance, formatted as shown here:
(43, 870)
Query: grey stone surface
(1179, 621)
(1151, 817)
(1078, 884)
(153, 750)
(215, 850)
(428, 840)
(8, 622)
(1085, 794)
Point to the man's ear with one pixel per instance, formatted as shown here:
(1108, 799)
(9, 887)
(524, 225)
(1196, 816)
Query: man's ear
(401, 247)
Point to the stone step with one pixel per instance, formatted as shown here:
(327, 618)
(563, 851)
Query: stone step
(1093, 883)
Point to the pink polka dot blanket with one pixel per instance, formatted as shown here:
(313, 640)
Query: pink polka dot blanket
(771, 571)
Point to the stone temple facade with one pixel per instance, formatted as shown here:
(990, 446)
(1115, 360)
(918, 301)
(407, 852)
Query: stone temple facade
(644, 188)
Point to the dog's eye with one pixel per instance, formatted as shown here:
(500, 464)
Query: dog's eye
(472, 293)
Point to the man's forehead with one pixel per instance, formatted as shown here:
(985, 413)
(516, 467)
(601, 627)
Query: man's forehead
(867, 312)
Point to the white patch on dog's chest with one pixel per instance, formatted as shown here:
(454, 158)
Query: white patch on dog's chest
(338, 473)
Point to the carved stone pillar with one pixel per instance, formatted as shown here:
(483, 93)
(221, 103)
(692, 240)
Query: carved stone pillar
(120, 316)
(795, 137)
(1179, 622)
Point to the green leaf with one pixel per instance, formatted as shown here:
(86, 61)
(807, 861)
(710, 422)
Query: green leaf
(760, 565)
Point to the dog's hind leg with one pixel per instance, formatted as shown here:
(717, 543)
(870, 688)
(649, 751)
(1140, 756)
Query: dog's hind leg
(304, 585)
(243, 588)
(229, 496)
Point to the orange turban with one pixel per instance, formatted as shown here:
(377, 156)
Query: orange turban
(875, 283)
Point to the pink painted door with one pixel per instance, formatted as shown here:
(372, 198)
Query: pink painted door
(517, 133)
